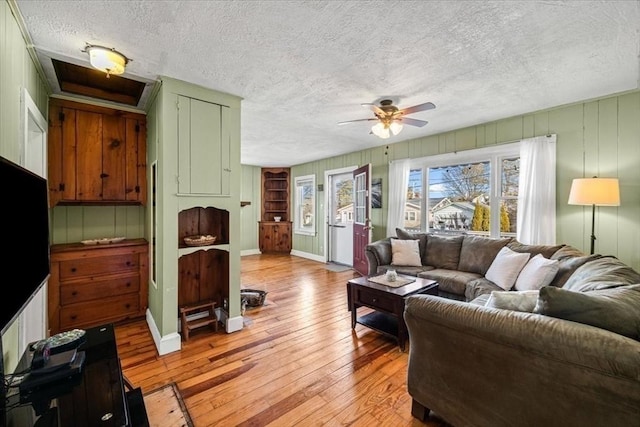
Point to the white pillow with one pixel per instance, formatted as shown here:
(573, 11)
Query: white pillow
(512, 300)
(538, 272)
(506, 266)
(405, 253)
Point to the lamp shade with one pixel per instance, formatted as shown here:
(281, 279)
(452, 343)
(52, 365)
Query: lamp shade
(595, 191)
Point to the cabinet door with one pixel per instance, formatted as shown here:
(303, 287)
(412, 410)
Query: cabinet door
(135, 188)
(88, 180)
(203, 147)
(114, 150)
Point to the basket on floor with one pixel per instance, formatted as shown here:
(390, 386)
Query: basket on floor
(253, 297)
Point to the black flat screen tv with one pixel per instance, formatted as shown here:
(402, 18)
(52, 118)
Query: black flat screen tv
(24, 267)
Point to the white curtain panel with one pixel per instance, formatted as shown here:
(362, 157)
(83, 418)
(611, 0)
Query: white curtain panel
(398, 183)
(537, 191)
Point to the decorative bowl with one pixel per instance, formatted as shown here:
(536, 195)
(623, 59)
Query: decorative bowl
(199, 240)
(277, 218)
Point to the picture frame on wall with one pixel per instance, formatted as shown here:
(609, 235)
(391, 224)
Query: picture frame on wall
(376, 193)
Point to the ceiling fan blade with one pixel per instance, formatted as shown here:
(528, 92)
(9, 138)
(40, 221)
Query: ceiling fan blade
(422, 107)
(413, 122)
(359, 120)
(373, 107)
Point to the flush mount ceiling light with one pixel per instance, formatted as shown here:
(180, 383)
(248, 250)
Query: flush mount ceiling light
(107, 60)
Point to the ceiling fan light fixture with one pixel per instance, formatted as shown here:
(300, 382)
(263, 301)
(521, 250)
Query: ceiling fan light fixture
(395, 127)
(107, 60)
(380, 130)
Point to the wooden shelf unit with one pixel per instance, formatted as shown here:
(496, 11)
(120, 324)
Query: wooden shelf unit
(275, 194)
(275, 236)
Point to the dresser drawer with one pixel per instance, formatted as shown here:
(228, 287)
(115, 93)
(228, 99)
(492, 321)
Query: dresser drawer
(373, 299)
(81, 291)
(98, 266)
(100, 311)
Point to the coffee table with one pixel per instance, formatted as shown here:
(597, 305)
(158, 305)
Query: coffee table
(387, 303)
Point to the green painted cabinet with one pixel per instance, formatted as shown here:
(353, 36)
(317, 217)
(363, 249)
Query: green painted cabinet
(204, 162)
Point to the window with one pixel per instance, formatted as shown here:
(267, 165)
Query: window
(471, 192)
(305, 205)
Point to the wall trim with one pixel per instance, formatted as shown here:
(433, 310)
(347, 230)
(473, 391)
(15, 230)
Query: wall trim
(247, 252)
(167, 344)
(312, 257)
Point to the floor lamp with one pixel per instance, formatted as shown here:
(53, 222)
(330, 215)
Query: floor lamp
(595, 192)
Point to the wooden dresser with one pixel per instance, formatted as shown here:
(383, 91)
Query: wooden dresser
(92, 285)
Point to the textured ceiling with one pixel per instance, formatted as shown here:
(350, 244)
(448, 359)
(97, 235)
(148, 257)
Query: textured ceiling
(303, 66)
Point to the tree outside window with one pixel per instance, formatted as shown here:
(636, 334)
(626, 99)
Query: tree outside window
(305, 202)
(460, 195)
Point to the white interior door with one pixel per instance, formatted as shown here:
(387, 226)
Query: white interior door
(33, 322)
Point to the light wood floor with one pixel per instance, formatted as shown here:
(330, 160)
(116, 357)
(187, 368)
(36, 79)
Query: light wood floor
(296, 362)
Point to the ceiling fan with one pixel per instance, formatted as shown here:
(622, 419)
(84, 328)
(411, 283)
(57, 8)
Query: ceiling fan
(390, 118)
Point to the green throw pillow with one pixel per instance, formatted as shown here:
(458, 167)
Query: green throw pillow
(614, 309)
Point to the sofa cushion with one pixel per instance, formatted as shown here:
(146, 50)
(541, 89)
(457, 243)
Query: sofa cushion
(405, 252)
(567, 251)
(443, 251)
(538, 272)
(478, 287)
(568, 265)
(403, 234)
(505, 267)
(450, 281)
(403, 269)
(601, 273)
(478, 252)
(546, 251)
(513, 300)
(613, 309)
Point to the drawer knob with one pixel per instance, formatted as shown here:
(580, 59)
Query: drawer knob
(74, 293)
(375, 300)
(73, 270)
(74, 317)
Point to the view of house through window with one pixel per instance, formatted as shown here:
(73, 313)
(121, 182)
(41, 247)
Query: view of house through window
(459, 197)
(305, 205)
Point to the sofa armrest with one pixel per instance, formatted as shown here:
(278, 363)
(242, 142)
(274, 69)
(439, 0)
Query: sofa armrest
(378, 253)
(515, 368)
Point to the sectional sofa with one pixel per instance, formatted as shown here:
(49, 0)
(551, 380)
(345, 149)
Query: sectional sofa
(563, 351)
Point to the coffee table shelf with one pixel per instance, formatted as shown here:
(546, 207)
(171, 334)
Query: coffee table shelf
(387, 304)
(381, 322)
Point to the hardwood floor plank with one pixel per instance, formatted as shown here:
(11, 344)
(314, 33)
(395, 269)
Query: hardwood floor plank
(295, 362)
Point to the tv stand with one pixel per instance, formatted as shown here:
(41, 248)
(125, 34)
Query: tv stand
(98, 393)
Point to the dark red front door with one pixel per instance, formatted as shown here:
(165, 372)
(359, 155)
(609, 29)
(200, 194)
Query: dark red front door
(362, 221)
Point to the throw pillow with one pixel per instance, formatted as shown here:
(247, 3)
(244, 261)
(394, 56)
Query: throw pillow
(405, 253)
(516, 301)
(538, 272)
(505, 267)
(613, 309)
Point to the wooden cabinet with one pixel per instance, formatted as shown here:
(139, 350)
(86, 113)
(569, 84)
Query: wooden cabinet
(95, 284)
(275, 236)
(95, 155)
(204, 152)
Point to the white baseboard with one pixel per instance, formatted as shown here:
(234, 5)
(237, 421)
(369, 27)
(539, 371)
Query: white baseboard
(164, 344)
(312, 257)
(250, 252)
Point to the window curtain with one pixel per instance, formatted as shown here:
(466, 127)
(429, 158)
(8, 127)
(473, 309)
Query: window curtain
(398, 183)
(537, 191)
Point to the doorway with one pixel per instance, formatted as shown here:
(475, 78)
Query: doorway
(33, 320)
(340, 214)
